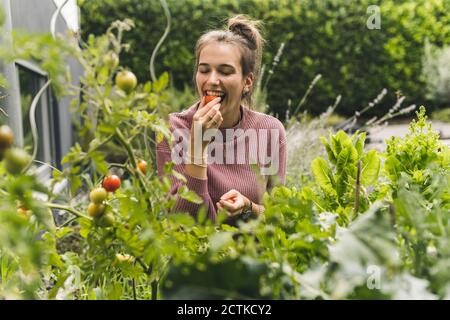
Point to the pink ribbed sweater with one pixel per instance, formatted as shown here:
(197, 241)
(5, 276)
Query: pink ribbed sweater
(227, 172)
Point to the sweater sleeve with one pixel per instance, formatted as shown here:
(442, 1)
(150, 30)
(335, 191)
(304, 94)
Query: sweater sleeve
(199, 186)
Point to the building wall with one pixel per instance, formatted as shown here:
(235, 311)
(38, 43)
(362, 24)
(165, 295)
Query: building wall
(34, 16)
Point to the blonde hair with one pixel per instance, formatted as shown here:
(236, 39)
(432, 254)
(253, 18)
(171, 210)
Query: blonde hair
(245, 34)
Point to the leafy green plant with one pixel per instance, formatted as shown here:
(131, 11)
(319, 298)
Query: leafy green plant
(418, 154)
(344, 178)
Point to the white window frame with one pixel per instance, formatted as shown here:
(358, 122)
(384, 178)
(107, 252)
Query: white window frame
(42, 171)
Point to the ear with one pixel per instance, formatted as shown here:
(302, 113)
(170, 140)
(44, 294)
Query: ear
(248, 82)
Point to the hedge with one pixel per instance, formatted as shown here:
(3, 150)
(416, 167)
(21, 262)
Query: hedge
(329, 37)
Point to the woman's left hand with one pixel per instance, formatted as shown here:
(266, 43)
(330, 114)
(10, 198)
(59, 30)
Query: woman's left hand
(234, 202)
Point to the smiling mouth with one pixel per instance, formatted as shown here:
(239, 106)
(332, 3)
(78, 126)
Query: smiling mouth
(215, 93)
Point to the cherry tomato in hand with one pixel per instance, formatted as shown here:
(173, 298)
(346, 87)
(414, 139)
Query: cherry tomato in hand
(208, 99)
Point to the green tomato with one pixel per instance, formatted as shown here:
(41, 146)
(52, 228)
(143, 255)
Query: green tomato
(126, 80)
(16, 160)
(95, 210)
(106, 220)
(111, 60)
(98, 195)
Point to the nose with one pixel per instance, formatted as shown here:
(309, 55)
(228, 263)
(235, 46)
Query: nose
(214, 78)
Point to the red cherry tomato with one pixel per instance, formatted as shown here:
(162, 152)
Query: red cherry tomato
(111, 183)
(208, 99)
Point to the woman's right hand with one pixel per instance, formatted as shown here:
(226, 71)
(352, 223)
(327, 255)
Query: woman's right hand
(206, 117)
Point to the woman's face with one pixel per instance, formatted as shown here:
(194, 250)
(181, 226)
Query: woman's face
(219, 73)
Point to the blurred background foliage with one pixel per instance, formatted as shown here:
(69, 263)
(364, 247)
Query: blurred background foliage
(329, 37)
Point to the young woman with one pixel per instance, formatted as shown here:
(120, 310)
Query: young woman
(229, 154)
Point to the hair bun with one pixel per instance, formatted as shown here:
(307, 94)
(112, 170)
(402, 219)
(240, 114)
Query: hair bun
(241, 26)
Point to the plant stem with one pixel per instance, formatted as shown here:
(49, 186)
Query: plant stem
(303, 100)
(392, 214)
(67, 222)
(134, 288)
(142, 265)
(166, 32)
(154, 285)
(3, 111)
(68, 209)
(127, 147)
(118, 165)
(358, 187)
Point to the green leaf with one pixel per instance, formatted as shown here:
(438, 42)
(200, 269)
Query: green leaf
(85, 227)
(347, 158)
(63, 231)
(359, 144)
(160, 84)
(179, 176)
(100, 164)
(343, 138)
(393, 168)
(341, 183)
(189, 195)
(75, 184)
(335, 144)
(369, 241)
(370, 168)
(330, 153)
(322, 174)
(103, 75)
(220, 240)
(147, 87)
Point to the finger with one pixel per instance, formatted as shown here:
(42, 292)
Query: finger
(216, 121)
(204, 108)
(212, 112)
(229, 205)
(230, 194)
(230, 200)
(206, 118)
